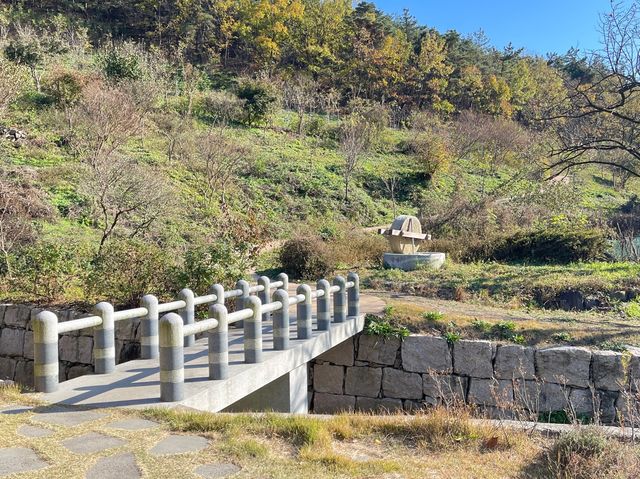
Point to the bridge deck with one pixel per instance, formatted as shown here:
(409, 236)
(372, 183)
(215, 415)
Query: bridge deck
(137, 383)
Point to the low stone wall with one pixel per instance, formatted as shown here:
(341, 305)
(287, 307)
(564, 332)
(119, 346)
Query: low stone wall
(75, 350)
(368, 373)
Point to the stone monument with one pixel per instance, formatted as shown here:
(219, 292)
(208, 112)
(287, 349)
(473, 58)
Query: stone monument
(405, 236)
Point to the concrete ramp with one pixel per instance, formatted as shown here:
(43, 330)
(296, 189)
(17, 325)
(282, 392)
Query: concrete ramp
(278, 383)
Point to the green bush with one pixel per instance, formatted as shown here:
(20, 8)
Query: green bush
(306, 258)
(47, 270)
(127, 269)
(556, 246)
(385, 327)
(121, 64)
(259, 101)
(223, 262)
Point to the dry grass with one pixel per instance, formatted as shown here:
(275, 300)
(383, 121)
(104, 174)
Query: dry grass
(538, 327)
(440, 444)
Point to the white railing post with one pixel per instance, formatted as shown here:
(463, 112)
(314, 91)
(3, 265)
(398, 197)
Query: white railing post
(253, 331)
(219, 343)
(281, 321)
(149, 327)
(45, 352)
(241, 301)
(285, 281)
(353, 295)
(339, 300)
(171, 358)
(218, 290)
(104, 349)
(188, 314)
(324, 306)
(265, 295)
(303, 313)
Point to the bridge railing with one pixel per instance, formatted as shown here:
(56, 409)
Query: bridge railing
(47, 328)
(173, 330)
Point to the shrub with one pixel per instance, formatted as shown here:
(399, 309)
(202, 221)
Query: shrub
(557, 246)
(47, 269)
(306, 258)
(219, 107)
(222, 262)
(121, 63)
(358, 249)
(259, 101)
(127, 269)
(385, 327)
(582, 453)
(434, 316)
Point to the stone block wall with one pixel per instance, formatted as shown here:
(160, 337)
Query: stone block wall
(75, 348)
(372, 374)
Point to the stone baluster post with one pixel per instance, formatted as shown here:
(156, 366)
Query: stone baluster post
(303, 313)
(104, 349)
(171, 358)
(45, 352)
(340, 300)
(188, 314)
(219, 343)
(149, 328)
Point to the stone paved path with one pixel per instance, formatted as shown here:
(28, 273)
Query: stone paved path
(60, 442)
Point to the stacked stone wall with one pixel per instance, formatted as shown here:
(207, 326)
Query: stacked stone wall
(75, 348)
(372, 374)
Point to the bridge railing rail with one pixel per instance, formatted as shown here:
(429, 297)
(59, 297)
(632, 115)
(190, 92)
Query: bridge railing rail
(173, 330)
(47, 328)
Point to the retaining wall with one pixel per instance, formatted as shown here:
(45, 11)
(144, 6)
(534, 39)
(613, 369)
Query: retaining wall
(368, 373)
(75, 350)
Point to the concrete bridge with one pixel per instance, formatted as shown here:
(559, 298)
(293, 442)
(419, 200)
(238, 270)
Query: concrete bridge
(259, 365)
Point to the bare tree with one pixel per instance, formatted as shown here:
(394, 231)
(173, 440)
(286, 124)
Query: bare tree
(125, 194)
(107, 118)
(10, 85)
(20, 205)
(358, 132)
(219, 159)
(601, 112)
(301, 94)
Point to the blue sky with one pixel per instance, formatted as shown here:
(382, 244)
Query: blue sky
(540, 26)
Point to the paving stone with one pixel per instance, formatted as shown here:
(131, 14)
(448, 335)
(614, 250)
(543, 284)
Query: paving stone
(514, 362)
(120, 466)
(17, 316)
(608, 371)
(85, 349)
(12, 341)
(15, 409)
(565, 365)
(217, 470)
(473, 358)
(91, 442)
(328, 378)
(27, 430)
(490, 392)
(364, 381)
(68, 348)
(19, 459)
(376, 349)
(379, 406)
(423, 354)
(342, 354)
(176, 444)
(133, 424)
(7, 368)
(67, 417)
(400, 384)
(332, 403)
(581, 401)
(451, 388)
(24, 373)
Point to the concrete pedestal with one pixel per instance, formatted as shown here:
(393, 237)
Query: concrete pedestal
(410, 262)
